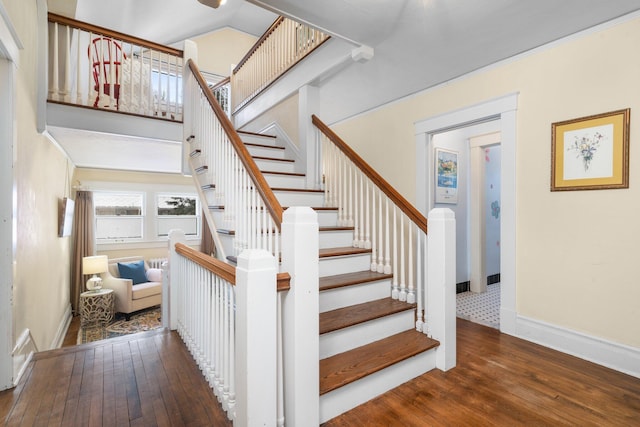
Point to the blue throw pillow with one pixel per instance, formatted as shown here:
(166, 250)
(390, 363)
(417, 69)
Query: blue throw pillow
(133, 271)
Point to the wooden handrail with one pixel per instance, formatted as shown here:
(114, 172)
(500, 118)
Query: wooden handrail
(224, 270)
(217, 267)
(52, 17)
(257, 44)
(271, 202)
(221, 83)
(412, 213)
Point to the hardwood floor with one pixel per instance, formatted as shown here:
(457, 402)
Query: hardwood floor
(500, 380)
(146, 379)
(150, 379)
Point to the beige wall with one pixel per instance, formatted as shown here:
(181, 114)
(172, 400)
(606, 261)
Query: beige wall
(41, 286)
(576, 251)
(285, 114)
(218, 50)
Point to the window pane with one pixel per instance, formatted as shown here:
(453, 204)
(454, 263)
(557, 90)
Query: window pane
(117, 203)
(176, 205)
(187, 224)
(118, 215)
(118, 228)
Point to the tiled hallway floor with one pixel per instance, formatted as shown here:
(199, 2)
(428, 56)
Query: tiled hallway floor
(481, 308)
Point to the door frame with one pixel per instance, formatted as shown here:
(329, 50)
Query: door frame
(504, 110)
(9, 55)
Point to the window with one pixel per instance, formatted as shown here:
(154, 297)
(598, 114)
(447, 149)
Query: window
(177, 211)
(119, 216)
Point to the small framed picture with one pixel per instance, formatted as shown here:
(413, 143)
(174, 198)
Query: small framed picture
(446, 179)
(591, 153)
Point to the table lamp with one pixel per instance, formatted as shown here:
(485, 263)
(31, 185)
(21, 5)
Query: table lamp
(94, 265)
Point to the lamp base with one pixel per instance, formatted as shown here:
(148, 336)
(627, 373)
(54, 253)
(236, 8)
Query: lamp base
(94, 283)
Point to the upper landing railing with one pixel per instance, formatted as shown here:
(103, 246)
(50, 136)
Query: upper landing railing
(281, 47)
(95, 67)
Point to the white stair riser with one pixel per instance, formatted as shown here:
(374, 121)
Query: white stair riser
(227, 244)
(335, 238)
(344, 264)
(345, 296)
(275, 166)
(277, 153)
(351, 395)
(285, 181)
(346, 339)
(258, 139)
(327, 218)
(297, 198)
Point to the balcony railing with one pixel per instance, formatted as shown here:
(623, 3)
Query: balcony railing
(281, 47)
(98, 68)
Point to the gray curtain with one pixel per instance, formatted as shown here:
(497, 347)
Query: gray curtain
(83, 243)
(206, 245)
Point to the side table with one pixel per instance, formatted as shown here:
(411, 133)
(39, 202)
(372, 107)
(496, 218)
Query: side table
(97, 307)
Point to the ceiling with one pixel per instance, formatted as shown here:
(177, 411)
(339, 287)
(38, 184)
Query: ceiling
(417, 43)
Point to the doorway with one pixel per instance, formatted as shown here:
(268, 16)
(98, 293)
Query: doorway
(502, 112)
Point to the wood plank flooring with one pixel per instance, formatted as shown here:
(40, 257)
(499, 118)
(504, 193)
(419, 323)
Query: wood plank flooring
(500, 380)
(146, 379)
(150, 379)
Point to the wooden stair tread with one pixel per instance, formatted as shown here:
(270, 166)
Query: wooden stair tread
(344, 368)
(263, 135)
(359, 313)
(343, 251)
(318, 208)
(275, 147)
(300, 190)
(284, 173)
(273, 158)
(348, 279)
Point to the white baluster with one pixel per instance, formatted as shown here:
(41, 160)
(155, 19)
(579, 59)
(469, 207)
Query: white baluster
(411, 293)
(381, 241)
(356, 223)
(419, 281)
(395, 292)
(79, 61)
(90, 81)
(362, 239)
(367, 223)
(387, 255)
(374, 241)
(66, 90)
(53, 90)
(403, 283)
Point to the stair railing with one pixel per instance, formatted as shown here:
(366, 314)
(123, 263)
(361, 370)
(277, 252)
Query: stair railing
(281, 47)
(216, 307)
(383, 220)
(233, 180)
(96, 67)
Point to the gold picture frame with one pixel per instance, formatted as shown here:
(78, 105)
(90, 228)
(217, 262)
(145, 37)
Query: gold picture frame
(591, 153)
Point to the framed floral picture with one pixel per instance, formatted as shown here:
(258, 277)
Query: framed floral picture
(446, 176)
(591, 153)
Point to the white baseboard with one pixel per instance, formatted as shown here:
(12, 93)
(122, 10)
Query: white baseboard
(63, 327)
(22, 354)
(597, 350)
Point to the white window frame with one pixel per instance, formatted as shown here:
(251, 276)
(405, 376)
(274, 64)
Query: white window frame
(150, 238)
(142, 217)
(197, 216)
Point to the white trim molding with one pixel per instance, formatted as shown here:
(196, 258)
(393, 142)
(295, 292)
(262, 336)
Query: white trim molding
(597, 350)
(504, 109)
(63, 327)
(22, 353)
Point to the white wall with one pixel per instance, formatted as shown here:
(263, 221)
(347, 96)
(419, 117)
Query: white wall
(492, 204)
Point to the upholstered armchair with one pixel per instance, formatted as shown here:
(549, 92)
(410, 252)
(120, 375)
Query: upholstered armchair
(136, 286)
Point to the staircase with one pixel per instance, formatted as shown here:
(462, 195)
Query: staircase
(368, 341)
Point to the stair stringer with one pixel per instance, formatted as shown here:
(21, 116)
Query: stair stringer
(347, 397)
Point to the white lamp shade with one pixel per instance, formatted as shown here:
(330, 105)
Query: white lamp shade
(95, 264)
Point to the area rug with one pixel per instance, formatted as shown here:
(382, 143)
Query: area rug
(144, 320)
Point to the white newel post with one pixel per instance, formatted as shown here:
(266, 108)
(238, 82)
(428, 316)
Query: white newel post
(441, 285)
(300, 317)
(170, 293)
(256, 339)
